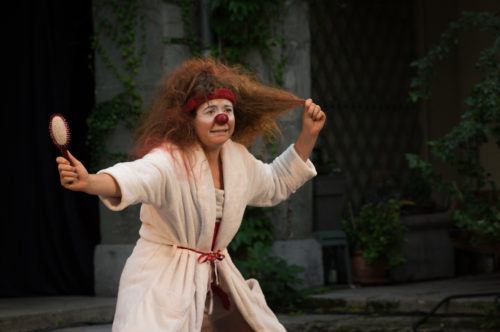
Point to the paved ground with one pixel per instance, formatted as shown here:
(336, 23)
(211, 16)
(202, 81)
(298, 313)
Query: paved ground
(367, 309)
(416, 297)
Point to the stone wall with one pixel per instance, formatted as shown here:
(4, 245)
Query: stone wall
(119, 230)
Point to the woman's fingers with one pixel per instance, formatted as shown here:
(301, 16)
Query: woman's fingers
(307, 103)
(66, 174)
(62, 160)
(72, 175)
(66, 167)
(67, 181)
(75, 161)
(314, 111)
(318, 116)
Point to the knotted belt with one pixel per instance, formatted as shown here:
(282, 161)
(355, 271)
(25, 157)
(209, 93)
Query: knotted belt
(212, 257)
(206, 256)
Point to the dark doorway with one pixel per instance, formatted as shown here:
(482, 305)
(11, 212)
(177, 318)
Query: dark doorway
(48, 234)
(360, 67)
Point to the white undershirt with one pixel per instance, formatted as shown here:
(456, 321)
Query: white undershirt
(219, 201)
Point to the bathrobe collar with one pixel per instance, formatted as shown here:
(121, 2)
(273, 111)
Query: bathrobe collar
(233, 173)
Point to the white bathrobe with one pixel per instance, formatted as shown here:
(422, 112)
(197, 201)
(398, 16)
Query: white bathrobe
(164, 288)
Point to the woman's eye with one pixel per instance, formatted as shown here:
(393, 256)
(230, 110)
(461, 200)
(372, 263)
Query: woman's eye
(228, 110)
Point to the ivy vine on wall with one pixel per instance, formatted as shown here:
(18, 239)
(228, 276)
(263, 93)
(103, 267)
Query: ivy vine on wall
(122, 23)
(239, 26)
(475, 193)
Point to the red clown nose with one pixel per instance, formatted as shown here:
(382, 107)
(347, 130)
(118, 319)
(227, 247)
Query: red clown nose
(221, 119)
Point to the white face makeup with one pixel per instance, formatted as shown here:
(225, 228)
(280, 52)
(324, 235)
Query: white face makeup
(210, 133)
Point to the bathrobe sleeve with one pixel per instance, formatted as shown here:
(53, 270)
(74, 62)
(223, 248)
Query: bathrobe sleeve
(141, 181)
(275, 182)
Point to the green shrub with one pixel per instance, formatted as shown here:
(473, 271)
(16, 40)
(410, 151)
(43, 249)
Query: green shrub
(250, 251)
(476, 195)
(378, 233)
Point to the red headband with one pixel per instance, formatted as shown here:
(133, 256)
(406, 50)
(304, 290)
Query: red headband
(194, 102)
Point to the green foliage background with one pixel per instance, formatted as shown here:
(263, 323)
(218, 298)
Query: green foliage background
(378, 232)
(476, 195)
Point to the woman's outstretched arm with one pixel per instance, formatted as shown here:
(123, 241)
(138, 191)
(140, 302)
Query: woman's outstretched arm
(77, 178)
(313, 120)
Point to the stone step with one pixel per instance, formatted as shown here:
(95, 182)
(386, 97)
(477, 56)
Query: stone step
(411, 298)
(49, 313)
(352, 323)
(86, 328)
(358, 309)
(375, 323)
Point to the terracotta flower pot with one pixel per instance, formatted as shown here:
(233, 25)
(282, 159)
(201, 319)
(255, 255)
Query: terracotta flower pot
(365, 274)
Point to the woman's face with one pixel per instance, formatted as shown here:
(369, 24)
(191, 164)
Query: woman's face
(211, 134)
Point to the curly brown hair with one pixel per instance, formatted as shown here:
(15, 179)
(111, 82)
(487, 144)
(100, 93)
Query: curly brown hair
(256, 107)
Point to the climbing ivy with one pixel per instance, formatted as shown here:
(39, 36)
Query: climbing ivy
(190, 37)
(122, 22)
(241, 26)
(251, 252)
(476, 194)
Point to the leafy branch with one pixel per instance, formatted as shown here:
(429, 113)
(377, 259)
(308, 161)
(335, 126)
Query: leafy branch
(478, 209)
(241, 26)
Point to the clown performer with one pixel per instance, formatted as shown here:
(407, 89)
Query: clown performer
(194, 178)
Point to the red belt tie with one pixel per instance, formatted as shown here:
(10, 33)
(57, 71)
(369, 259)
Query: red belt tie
(210, 257)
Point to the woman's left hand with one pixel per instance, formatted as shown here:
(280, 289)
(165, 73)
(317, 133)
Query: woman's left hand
(313, 118)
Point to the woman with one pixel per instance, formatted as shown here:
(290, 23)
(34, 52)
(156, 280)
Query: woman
(194, 179)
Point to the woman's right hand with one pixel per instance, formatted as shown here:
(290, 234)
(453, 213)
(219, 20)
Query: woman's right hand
(75, 177)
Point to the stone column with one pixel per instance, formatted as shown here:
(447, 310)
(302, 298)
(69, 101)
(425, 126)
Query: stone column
(120, 230)
(294, 221)
(295, 243)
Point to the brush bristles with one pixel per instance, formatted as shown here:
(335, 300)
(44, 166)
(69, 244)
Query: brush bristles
(59, 130)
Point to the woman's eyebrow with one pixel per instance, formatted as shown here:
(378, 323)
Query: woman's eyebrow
(209, 106)
(228, 105)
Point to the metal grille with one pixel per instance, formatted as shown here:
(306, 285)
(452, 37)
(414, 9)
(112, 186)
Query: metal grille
(360, 55)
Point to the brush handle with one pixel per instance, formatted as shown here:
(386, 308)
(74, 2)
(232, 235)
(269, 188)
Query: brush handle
(64, 152)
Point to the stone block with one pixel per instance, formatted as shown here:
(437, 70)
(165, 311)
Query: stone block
(109, 261)
(120, 139)
(305, 253)
(119, 227)
(172, 26)
(174, 55)
(429, 250)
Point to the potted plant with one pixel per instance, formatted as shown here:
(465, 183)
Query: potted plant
(477, 208)
(376, 238)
